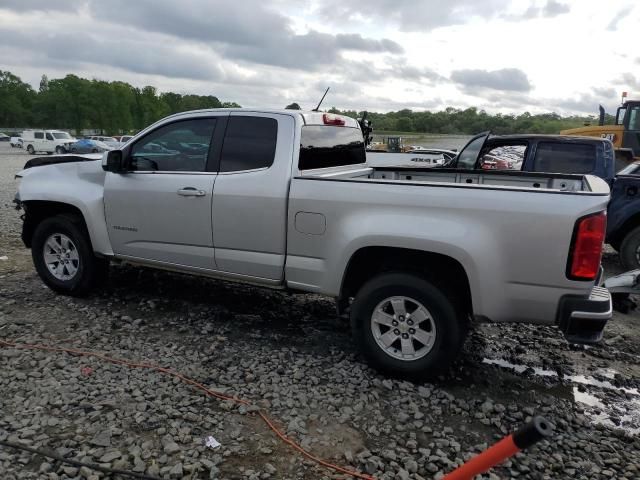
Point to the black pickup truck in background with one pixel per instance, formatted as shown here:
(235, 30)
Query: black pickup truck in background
(567, 154)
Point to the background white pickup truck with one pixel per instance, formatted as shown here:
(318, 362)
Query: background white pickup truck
(284, 199)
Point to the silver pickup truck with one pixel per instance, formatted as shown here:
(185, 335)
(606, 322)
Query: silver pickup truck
(285, 199)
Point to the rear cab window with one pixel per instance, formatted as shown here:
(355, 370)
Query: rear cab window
(323, 146)
(503, 157)
(564, 157)
(39, 135)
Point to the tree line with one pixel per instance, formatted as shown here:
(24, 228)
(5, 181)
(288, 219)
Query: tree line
(471, 121)
(76, 103)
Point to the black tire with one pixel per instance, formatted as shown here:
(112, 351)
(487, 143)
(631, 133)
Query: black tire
(60, 150)
(91, 270)
(73, 150)
(630, 249)
(95, 150)
(450, 325)
(30, 150)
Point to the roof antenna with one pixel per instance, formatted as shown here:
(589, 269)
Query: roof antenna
(325, 94)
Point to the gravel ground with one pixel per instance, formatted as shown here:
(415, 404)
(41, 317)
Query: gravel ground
(289, 355)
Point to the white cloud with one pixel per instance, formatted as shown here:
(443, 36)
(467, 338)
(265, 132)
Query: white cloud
(501, 55)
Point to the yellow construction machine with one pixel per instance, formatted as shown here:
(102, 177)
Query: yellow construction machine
(625, 134)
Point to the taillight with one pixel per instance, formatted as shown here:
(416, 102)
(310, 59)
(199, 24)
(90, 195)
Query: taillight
(586, 247)
(330, 119)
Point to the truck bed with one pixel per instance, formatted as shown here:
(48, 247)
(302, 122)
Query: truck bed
(510, 231)
(546, 182)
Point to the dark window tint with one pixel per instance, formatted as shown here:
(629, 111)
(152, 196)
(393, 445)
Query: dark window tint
(564, 157)
(634, 119)
(49, 136)
(177, 147)
(38, 135)
(327, 146)
(469, 154)
(249, 143)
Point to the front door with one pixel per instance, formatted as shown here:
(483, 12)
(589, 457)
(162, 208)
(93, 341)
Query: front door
(160, 210)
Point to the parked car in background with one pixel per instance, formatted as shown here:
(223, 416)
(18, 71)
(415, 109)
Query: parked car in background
(48, 141)
(112, 142)
(87, 145)
(16, 142)
(631, 169)
(566, 154)
(4, 137)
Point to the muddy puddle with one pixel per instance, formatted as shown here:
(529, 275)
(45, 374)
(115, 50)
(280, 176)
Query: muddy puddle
(603, 402)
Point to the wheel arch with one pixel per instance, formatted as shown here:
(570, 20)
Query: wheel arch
(442, 270)
(38, 210)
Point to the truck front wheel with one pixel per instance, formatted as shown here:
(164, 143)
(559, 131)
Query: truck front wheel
(63, 256)
(406, 326)
(630, 250)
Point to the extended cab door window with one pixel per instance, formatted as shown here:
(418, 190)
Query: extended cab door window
(182, 146)
(249, 144)
(565, 157)
(49, 136)
(38, 135)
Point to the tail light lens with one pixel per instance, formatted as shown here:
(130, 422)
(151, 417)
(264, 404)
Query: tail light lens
(586, 247)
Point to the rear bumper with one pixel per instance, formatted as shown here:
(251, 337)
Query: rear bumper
(582, 320)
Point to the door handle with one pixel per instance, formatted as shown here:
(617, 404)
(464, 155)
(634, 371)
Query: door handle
(191, 192)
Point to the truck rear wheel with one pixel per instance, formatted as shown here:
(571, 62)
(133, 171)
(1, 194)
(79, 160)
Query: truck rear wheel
(406, 326)
(630, 250)
(30, 149)
(63, 256)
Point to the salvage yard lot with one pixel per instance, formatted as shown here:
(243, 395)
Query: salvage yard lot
(290, 356)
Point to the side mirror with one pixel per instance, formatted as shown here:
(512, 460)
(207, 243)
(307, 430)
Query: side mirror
(112, 161)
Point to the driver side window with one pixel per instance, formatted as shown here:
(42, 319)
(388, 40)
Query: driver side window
(182, 146)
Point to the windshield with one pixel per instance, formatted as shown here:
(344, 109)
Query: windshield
(466, 160)
(61, 135)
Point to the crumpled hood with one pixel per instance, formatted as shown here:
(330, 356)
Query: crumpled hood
(52, 159)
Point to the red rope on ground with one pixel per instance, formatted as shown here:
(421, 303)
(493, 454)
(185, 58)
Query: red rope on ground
(199, 386)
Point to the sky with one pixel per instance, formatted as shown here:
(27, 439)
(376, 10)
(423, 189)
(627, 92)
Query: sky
(503, 56)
